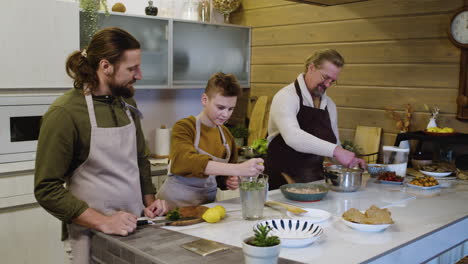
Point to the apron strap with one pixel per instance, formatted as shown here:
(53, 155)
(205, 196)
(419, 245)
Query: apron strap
(197, 142)
(298, 91)
(92, 115)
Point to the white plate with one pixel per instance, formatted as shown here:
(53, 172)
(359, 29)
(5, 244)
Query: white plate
(312, 215)
(436, 174)
(424, 188)
(293, 232)
(366, 228)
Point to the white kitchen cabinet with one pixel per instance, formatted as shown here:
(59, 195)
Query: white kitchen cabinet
(37, 37)
(28, 233)
(184, 54)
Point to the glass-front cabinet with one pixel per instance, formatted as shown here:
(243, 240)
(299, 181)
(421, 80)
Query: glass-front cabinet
(184, 54)
(203, 49)
(153, 37)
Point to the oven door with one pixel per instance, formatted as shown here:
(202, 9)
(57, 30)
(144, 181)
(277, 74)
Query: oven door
(19, 131)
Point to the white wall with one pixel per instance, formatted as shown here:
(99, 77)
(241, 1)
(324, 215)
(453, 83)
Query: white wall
(165, 107)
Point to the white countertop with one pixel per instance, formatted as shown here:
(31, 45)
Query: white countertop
(427, 222)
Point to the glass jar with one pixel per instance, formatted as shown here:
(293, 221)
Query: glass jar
(190, 10)
(396, 159)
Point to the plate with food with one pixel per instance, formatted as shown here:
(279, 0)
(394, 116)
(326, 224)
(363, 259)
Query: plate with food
(425, 183)
(293, 232)
(373, 219)
(436, 170)
(440, 131)
(304, 192)
(312, 215)
(390, 177)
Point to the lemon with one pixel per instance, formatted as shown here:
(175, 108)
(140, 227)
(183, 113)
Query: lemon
(221, 210)
(211, 215)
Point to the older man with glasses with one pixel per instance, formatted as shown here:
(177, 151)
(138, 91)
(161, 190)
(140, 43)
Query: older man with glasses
(303, 125)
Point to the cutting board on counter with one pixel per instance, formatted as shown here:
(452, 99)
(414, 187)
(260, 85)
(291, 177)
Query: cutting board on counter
(258, 120)
(368, 139)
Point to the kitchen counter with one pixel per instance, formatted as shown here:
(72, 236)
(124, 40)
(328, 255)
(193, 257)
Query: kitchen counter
(427, 223)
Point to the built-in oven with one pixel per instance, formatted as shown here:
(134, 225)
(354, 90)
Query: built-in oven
(20, 119)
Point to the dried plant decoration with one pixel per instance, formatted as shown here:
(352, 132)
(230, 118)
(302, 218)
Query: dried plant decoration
(402, 120)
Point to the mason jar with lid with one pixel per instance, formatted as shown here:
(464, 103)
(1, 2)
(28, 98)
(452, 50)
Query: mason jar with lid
(396, 159)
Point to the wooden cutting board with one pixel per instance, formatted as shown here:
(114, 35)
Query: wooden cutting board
(368, 139)
(257, 121)
(190, 211)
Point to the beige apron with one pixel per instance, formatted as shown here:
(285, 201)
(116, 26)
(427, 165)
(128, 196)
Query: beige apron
(109, 180)
(185, 191)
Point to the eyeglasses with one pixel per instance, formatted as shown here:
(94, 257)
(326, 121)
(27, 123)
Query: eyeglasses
(326, 78)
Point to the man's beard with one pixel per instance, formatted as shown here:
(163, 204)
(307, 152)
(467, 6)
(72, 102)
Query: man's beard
(126, 91)
(317, 91)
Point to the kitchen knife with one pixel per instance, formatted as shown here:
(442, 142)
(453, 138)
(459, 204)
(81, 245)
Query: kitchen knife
(179, 222)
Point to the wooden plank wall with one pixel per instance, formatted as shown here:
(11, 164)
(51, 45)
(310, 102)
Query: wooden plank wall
(396, 52)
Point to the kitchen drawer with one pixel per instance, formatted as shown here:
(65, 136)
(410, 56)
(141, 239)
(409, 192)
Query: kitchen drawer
(16, 189)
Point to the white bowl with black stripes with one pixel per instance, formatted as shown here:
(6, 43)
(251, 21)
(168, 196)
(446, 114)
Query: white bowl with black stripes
(293, 232)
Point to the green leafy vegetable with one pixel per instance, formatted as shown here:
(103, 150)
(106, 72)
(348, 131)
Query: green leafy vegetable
(173, 214)
(252, 186)
(260, 146)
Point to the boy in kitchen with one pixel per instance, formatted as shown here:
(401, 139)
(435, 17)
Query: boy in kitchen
(203, 154)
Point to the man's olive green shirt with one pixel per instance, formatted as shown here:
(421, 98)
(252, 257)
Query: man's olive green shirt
(64, 143)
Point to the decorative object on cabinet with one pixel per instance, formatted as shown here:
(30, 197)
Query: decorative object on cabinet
(434, 113)
(401, 123)
(119, 7)
(190, 10)
(226, 7)
(204, 10)
(151, 10)
(458, 34)
(90, 17)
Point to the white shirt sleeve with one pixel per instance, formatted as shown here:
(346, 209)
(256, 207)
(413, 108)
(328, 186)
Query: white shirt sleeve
(283, 112)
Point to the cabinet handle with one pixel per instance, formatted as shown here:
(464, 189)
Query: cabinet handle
(167, 32)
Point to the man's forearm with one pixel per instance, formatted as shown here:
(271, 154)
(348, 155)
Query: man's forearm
(91, 218)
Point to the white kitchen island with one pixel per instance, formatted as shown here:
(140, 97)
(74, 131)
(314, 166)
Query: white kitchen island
(427, 223)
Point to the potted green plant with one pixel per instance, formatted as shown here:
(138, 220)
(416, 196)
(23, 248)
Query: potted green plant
(262, 248)
(90, 9)
(239, 133)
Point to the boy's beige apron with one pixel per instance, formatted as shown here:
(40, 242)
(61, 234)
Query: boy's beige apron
(185, 191)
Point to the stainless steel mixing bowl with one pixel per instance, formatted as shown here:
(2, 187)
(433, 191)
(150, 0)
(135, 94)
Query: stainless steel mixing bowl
(341, 179)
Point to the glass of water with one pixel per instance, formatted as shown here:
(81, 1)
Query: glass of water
(253, 192)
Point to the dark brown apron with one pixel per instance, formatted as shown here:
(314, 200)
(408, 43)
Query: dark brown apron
(302, 167)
